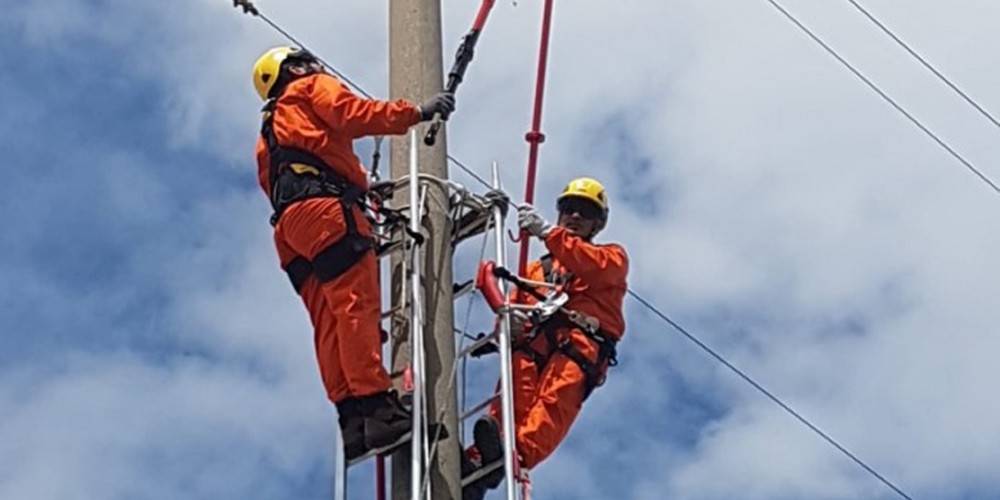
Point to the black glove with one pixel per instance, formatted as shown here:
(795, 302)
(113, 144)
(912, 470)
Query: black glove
(443, 104)
(499, 199)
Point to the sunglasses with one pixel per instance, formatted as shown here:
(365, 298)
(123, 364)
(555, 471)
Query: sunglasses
(586, 208)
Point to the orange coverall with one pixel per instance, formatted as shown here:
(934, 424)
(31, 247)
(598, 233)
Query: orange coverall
(547, 399)
(318, 114)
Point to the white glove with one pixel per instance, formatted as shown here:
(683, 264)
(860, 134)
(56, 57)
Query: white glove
(531, 221)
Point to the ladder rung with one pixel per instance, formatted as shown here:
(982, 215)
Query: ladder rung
(389, 248)
(381, 451)
(458, 290)
(482, 471)
(479, 407)
(433, 431)
(477, 344)
(391, 312)
(471, 224)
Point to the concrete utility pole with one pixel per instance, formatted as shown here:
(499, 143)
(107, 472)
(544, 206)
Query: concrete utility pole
(416, 73)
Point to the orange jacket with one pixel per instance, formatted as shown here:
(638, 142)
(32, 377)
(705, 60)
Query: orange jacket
(598, 286)
(319, 115)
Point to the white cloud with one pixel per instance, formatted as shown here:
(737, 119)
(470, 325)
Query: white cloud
(809, 233)
(122, 426)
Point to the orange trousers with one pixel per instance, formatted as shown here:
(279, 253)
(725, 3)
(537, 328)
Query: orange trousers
(546, 402)
(345, 312)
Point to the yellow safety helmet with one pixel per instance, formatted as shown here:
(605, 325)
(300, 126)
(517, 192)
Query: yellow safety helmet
(590, 190)
(267, 69)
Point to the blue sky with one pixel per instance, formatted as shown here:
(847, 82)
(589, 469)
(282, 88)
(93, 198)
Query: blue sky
(770, 203)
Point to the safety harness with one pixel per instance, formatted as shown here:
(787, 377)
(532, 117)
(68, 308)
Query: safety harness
(559, 318)
(296, 175)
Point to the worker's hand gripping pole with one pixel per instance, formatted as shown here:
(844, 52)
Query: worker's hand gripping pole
(466, 51)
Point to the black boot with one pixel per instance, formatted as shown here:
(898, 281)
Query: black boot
(490, 446)
(352, 428)
(386, 420)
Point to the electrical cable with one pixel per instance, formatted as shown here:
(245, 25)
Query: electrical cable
(249, 8)
(746, 378)
(885, 96)
(923, 61)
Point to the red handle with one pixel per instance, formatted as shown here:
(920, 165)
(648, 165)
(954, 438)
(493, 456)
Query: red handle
(488, 285)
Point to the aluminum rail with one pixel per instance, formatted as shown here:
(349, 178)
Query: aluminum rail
(506, 379)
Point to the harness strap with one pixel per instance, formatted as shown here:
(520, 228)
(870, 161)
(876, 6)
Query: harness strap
(297, 175)
(607, 353)
(540, 358)
(334, 260)
(299, 270)
(591, 371)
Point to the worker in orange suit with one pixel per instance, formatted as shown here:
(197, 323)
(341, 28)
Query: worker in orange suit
(557, 363)
(316, 184)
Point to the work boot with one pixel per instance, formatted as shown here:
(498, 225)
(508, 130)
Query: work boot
(386, 420)
(490, 445)
(352, 428)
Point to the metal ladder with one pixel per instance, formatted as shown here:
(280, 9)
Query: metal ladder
(420, 447)
(503, 338)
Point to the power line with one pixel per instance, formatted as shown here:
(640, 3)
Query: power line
(469, 171)
(249, 8)
(924, 62)
(885, 96)
(768, 394)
